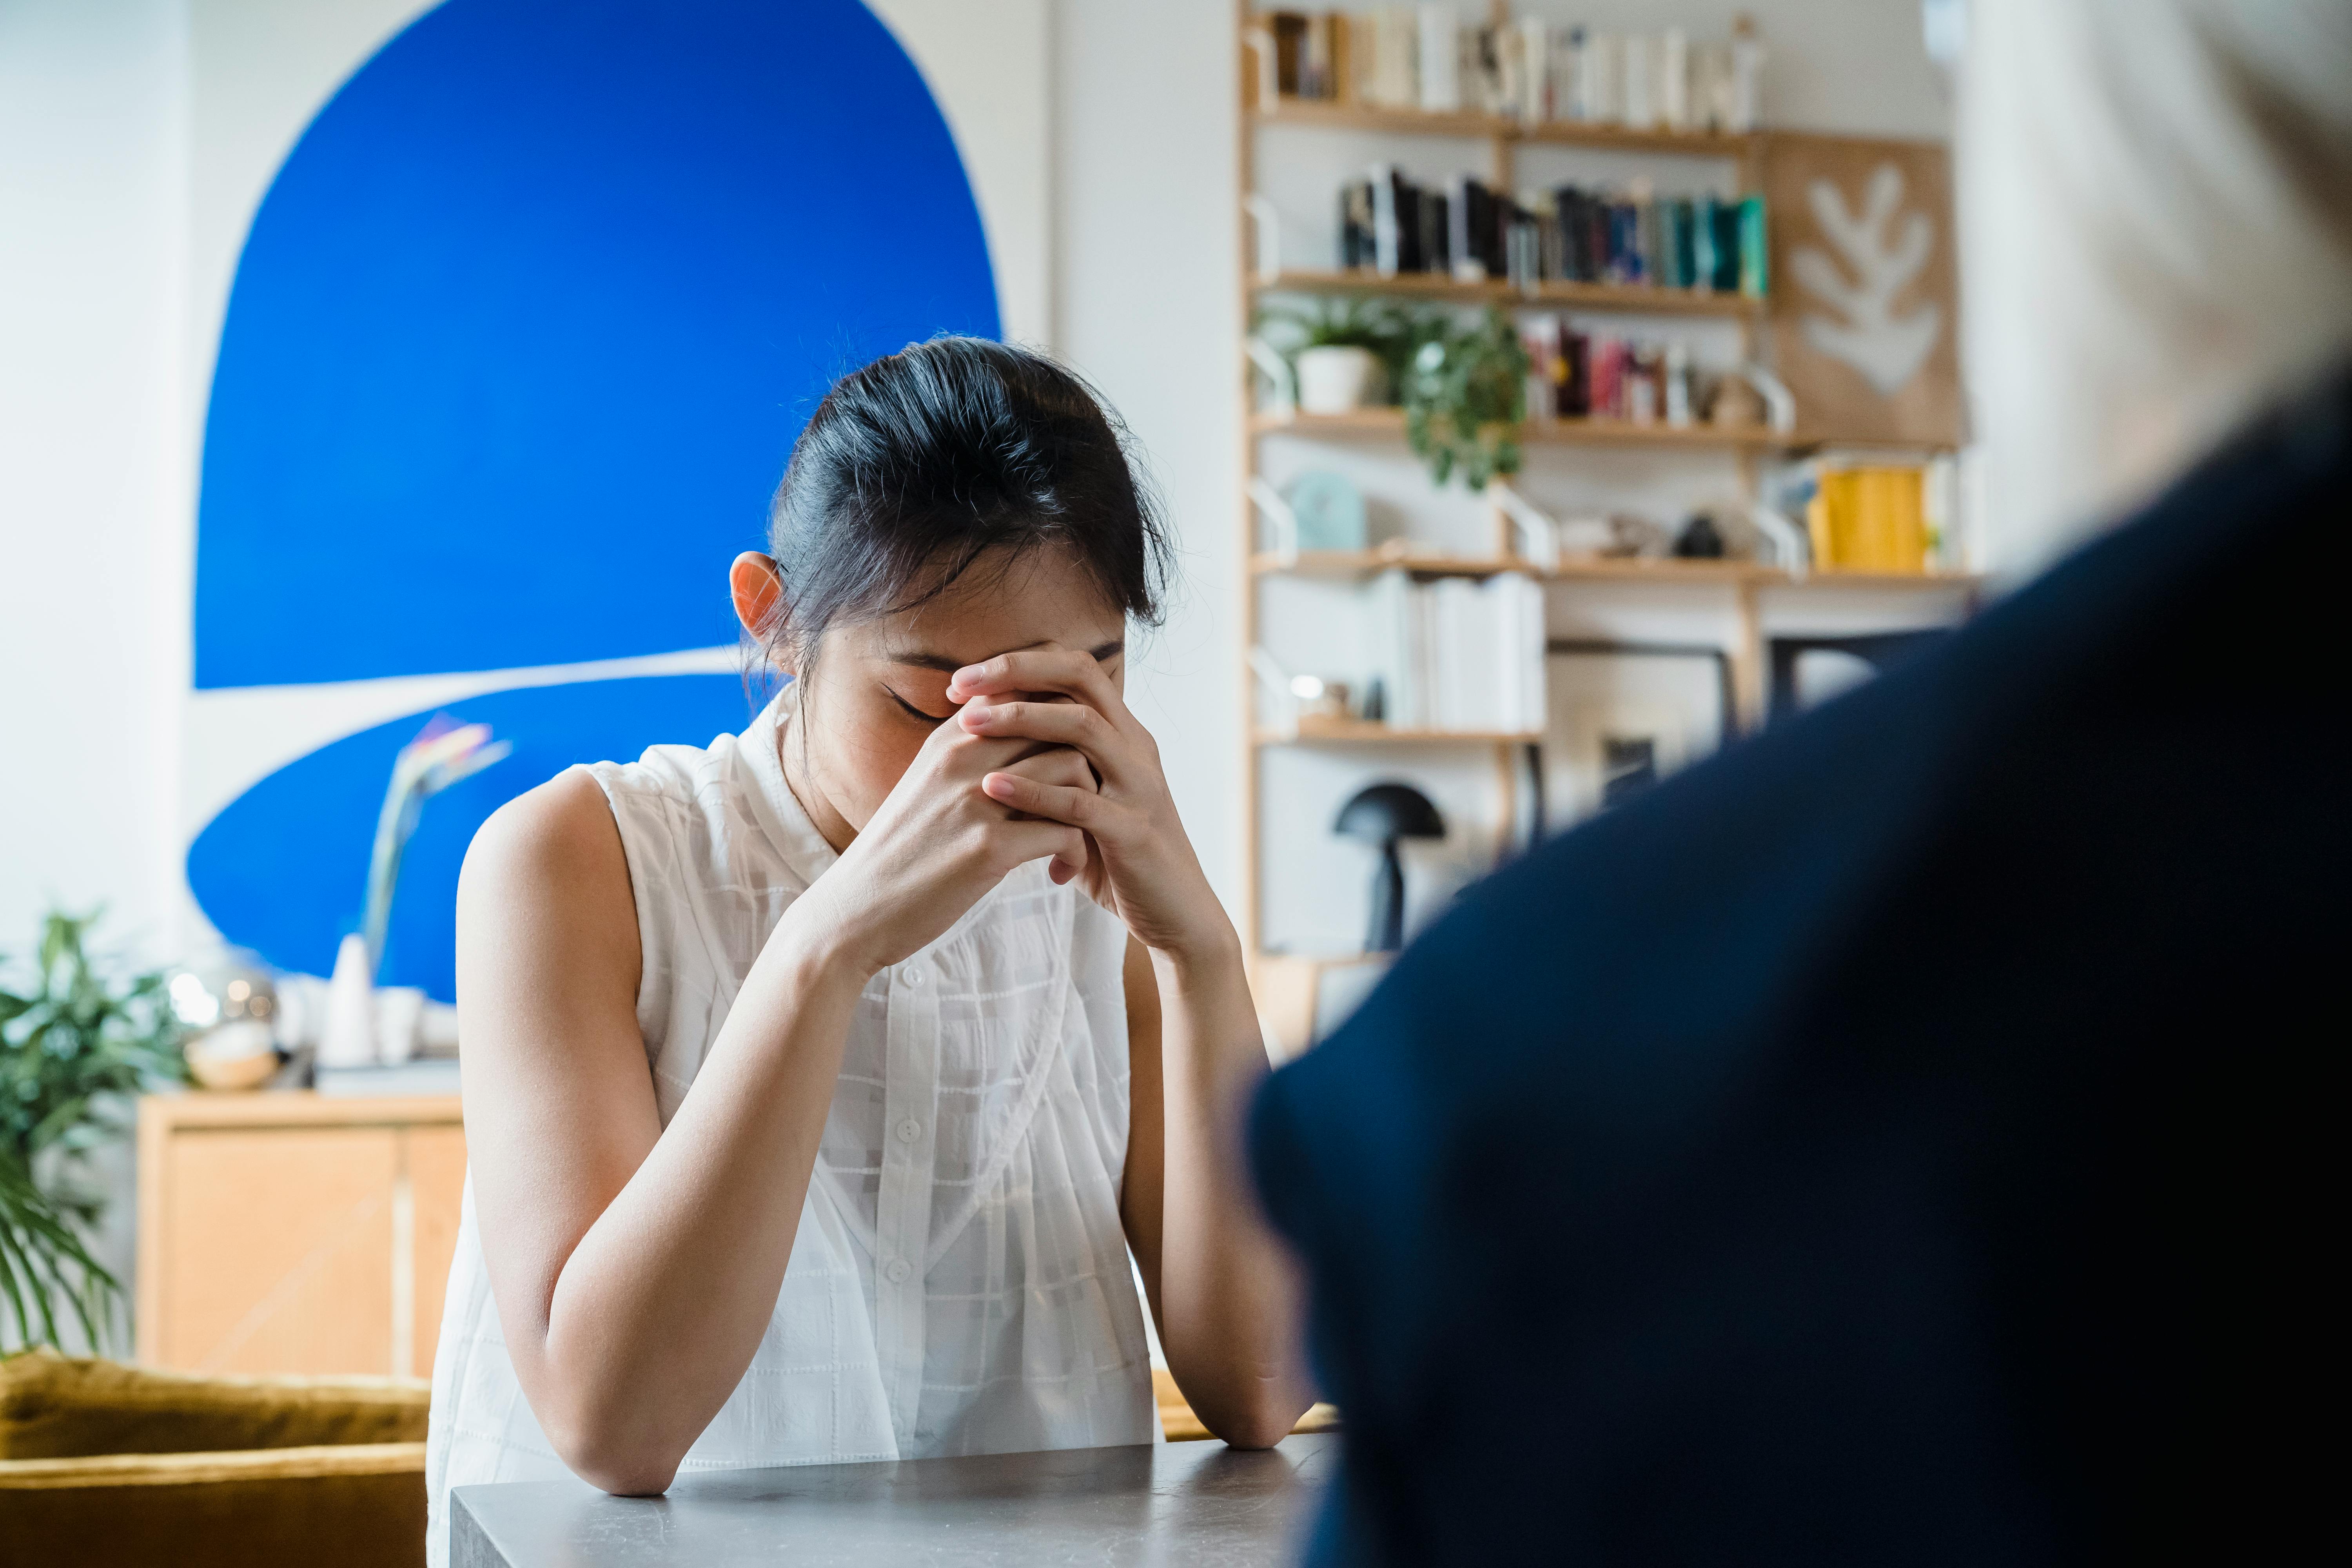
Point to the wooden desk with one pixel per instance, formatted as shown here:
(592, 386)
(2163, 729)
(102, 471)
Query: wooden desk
(1175, 1504)
(296, 1232)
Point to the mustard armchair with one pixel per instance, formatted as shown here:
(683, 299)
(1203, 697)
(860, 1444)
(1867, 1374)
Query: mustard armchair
(104, 1464)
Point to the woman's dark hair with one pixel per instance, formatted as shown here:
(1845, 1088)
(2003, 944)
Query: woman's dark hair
(917, 466)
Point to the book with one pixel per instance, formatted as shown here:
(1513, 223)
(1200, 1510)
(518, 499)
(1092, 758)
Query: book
(1439, 59)
(1458, 654)
(1289, 28)
(1388, 221)
(1359, 249)
(1531, 56)
(1395, 73)
(1754, 269)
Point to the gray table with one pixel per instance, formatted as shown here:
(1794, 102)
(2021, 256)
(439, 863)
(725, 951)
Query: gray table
(1171, 1504)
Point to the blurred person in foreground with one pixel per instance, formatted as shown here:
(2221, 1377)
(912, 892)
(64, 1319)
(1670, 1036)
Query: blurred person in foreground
(1902, 1139)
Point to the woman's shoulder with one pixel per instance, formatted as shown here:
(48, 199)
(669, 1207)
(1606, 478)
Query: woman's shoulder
(553, 847)
(565, 821)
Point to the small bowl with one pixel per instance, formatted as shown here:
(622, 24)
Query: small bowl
(237, 1055)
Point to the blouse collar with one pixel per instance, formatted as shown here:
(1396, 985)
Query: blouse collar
(778, 811)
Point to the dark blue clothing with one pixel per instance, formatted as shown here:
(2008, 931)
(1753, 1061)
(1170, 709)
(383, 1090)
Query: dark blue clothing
(1900, 1139)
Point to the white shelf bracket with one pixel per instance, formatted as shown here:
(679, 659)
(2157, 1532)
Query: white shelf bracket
(1277, 370)
(1268, 219)
(1792, 552)
(1259, 42)
(1275, 681)
(1779, 402)
(1282, 522)
(1537, 531)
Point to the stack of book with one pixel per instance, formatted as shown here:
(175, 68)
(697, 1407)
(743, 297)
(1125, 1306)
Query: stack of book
(1424, 57)
(1599, 375)
(1390, 225)
(1458, 653)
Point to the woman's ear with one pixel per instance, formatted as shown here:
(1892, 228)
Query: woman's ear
(759, 594)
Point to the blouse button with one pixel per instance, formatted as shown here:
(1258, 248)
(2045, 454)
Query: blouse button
(898, 1271)
(912, 975)
(909, 1129)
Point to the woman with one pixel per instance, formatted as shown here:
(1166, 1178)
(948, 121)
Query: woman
(820, 1082)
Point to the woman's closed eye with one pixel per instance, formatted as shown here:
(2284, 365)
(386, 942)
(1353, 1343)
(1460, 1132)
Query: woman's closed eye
(916, 713)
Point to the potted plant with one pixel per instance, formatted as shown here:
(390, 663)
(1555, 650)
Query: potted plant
(1464, 399)
(1346, 352)
(77, 1036)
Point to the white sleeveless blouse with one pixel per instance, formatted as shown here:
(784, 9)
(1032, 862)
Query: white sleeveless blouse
(960, 1282)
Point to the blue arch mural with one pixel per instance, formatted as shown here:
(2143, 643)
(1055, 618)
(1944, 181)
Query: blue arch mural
(518, 345)
(525, 327)
(287, 861)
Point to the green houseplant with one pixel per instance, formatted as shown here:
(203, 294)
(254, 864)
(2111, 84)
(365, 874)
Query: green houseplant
(43, 1263)
(1384, 335)
(78, 1035)
(1464, 399)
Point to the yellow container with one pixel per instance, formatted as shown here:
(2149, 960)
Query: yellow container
(1870, 520)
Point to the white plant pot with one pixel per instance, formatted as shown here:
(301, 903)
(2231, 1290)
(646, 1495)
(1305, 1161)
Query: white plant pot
(1336, 380)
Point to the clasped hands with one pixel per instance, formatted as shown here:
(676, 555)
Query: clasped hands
(1041, 758)
(1137, 862)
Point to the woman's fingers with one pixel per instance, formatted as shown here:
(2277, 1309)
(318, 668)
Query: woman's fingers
(1080, 808)
(1070, 725)
(1052, 764)
(1035, 839)
(1061, 669)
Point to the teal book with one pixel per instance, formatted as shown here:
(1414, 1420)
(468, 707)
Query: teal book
(1754, 276)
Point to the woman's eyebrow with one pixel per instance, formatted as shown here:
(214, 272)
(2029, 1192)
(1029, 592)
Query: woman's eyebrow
(920, 659)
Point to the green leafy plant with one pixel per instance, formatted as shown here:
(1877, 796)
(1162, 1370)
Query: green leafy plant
(1465, 397)
(78, 1035)
(1391, 331)
(42, 1263)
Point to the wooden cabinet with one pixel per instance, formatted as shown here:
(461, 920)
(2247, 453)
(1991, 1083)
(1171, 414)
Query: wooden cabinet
(288, 1233)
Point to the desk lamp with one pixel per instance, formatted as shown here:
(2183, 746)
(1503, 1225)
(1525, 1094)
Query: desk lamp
(1383, 814)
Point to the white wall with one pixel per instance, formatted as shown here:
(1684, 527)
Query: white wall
(93, 565)
(93, 612)
(1148, 308)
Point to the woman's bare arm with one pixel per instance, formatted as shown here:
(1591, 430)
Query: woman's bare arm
(634, 1271)
(1222, 1291)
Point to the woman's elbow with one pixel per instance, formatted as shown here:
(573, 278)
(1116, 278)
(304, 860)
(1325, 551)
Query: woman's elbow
(1260, 1424)
(628, 1474)
(610, 1457)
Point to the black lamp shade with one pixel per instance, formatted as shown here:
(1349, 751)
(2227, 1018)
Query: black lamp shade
(1383, 814)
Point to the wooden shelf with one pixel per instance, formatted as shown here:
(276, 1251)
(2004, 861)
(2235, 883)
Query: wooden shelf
(1468, 123)
(1359, 732)
(1388, 424)
(1600, 569)
(1639, 298)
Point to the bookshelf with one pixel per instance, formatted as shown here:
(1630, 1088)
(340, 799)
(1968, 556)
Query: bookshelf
(1496, 127)
(1738, 586)
(1600, 569)
(1633, 299)
(1388, 424)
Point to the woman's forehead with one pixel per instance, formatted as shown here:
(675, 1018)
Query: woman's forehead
(1040, 596)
